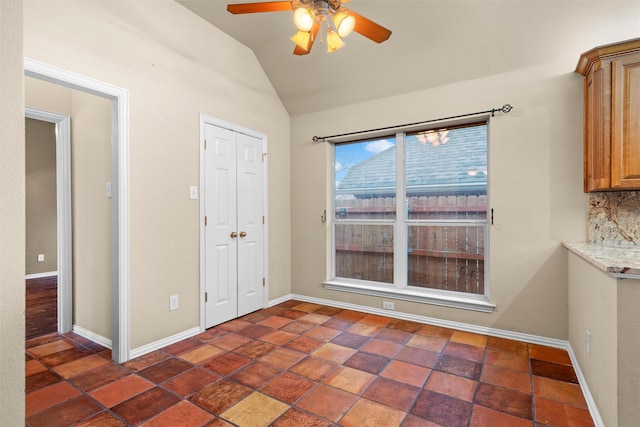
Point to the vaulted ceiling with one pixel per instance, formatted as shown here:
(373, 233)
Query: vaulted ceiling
(434, 42)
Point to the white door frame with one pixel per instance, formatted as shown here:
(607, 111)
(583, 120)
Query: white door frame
(120, 345)
(63, 211)
(205, 119)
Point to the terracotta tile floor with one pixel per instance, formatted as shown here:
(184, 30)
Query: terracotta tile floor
(302, 364)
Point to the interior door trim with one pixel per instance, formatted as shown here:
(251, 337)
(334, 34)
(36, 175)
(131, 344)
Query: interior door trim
(62, 123)
(206, 119)
(119, 97)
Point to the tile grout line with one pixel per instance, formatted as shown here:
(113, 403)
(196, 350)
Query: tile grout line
(350, 341)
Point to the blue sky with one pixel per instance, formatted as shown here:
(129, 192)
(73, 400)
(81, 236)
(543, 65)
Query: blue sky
(351, 154)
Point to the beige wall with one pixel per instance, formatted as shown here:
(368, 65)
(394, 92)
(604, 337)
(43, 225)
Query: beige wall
(608, 308)
(47, 96)
(91, 212)
(175, 66)
(12, 215)
(628, 350)
(535, 166)
(40, 193)
(593, 307)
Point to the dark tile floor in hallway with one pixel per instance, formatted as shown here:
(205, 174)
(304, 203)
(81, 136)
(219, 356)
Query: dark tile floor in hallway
(303, 364)
(41, 311)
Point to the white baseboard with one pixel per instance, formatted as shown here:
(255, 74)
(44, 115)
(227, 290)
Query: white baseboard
(533, 339)
(156, 345)
(591, 403)
(519, 336)
(40, 275)
(280, 300)
(85, 333)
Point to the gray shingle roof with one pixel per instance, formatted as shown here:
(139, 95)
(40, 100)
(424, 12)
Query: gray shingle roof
(430, 169)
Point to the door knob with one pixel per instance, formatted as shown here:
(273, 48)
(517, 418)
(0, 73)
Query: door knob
(243, 234)
(234, 234)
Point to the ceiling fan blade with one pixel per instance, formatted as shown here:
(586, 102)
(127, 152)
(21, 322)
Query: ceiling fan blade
(314, 32)
(269, 6)
(370, 29)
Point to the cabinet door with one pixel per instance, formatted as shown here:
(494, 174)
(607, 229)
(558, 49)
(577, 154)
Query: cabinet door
(597, 130)
(625, 135)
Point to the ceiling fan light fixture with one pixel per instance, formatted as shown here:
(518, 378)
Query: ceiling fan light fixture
(303, 18)
(344, 23)
(311, 17)
(334, 42)
(302, 39)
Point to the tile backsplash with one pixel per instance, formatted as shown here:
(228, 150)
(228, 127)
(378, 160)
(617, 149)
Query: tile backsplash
(614, 218)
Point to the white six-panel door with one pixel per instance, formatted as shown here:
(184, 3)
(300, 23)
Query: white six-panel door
(234, 242)
(250, 185)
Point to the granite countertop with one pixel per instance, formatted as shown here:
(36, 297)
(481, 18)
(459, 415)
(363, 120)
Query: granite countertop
(621, 261)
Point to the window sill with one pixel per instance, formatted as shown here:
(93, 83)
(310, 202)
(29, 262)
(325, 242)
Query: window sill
(431, 296)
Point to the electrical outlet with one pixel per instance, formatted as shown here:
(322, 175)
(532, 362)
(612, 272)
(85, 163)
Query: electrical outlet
(40, 257)
(587, 342)
(388, 305)
(173, 302)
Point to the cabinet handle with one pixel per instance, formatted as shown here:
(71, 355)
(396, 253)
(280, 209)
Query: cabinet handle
(233, 234)
(243, 234)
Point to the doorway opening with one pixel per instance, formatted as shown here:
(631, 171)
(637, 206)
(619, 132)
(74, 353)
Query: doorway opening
(119, 98)
(61, 123)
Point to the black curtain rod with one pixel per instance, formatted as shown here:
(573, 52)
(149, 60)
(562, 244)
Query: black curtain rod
(504, 109)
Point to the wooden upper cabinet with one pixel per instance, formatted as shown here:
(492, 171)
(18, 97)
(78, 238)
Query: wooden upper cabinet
(611, 116)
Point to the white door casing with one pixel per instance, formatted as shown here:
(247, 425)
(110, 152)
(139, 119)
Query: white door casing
(63, 213)
(120, 184)
(232, 185)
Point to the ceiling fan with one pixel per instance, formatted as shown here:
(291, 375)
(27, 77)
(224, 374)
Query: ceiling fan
(309, 17)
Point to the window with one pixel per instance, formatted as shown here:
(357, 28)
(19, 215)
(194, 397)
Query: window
(410, 216)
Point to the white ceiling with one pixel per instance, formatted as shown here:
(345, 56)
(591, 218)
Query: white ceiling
(434, 42)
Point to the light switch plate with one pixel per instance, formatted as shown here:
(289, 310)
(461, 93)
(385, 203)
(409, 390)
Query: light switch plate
(193, 192)
(587, 342)
(173, 302)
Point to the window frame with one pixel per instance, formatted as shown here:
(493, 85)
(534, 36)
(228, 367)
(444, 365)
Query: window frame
(400, 289)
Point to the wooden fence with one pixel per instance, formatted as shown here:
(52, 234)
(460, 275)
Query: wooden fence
(440, 256)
